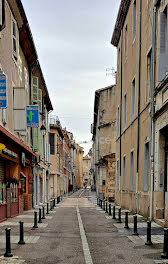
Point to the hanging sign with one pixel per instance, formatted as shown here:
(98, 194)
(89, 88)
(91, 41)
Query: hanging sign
(3, 94)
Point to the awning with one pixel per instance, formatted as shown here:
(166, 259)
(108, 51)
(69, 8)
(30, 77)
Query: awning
(16, 140)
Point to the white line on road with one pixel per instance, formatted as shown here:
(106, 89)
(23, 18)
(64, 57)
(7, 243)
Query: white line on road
(81, 193)
(86, 251)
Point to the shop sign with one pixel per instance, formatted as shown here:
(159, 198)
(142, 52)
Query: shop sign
(9, 153)
(23, 159)
(33, 116)
(3, 93)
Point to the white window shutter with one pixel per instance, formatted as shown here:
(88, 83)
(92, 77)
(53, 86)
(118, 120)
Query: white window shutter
(40, 100)
(45, 150)
(35, 89)
(19, 108)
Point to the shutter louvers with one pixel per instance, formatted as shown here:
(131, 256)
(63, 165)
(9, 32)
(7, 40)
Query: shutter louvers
(35, 138)
(162, 48)
(40, 100)
(34, 89)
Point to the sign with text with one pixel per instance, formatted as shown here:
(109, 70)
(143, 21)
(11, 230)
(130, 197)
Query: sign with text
(3, 94)
(33, 116)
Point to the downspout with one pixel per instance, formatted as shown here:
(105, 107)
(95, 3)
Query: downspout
(121, 82)
(139, 94)
(152, 88)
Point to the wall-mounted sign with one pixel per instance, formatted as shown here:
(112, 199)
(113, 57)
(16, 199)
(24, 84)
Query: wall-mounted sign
(9, 153)
(3, 94)
(33, 116)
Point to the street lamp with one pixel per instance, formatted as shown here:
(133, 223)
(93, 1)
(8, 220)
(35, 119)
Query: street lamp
(43, 130)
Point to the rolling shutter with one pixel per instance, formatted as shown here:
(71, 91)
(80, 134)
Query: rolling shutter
(2, 170)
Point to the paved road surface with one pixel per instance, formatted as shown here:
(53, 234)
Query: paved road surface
(78, 232)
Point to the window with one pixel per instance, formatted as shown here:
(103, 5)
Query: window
(131, 170)
(15, 39)
(117, 175)
(134, 21)
(2, 14)
(118, 121)
(146, 167)
(125, 111)
(163, 47)
(2, 192)
(133, 99)
(126, 41)
(149, 69)
(36, 93)
(26, 82)
(124, 172)
(52, 143)
(20, 69)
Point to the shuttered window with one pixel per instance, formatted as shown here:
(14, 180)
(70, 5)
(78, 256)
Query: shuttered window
(35, 87)
(134, 20)
(163, 47)
(15, 39)
(35, 138)
(41, 143)
(146, 167)
(133, 99)
(124, 172)
(131, 170)
(19, 108)
(40, 100)
(52, 143)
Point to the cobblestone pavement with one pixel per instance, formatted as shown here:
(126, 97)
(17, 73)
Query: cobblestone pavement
(78, 231)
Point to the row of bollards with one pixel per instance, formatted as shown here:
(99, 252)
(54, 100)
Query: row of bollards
(8, 253)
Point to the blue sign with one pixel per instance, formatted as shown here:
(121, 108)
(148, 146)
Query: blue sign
(3, 95)
(33, 116)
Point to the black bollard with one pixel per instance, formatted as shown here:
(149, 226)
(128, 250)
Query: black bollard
(165, 245)
(8, 253)
(148, 242)
(43, 213)
(39, 221)
(21, 241)
(135, 226)
(35, 220)
(47, 209)
(101, 203)
(109, 209)
(126, 220)
(50, 205)
(119, 216)
(114, 217)
(106, 207)
(54, 202)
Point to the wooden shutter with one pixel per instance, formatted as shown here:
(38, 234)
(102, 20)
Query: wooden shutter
(162, 46)
(131, 170)
(19, 108)
(40, 100)
(40, 142)
(35, 138)
(35, 89)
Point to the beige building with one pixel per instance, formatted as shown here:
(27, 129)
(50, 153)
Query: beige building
(87, 165)
(104, 141)
(56, 157)
(79, 166)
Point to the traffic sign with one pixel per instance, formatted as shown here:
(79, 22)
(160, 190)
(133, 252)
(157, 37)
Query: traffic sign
(3, 94)
(33, 116)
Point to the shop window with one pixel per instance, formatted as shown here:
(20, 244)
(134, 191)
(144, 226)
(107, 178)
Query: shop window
(14, 191)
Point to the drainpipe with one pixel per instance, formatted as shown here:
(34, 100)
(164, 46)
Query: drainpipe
(152, 88)
(139, 93)
(121, 82)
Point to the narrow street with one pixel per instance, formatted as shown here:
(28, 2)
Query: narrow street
(78, 231)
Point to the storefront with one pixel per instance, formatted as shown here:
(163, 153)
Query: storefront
(15, 176)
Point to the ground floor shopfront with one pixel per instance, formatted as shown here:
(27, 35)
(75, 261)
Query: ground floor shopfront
(15, 176)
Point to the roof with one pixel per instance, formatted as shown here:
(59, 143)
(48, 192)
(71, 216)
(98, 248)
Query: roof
(7, 134)
(86, 157)
(122, 13)
(28, 45)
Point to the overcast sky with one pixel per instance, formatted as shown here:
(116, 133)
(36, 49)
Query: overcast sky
(72, 39)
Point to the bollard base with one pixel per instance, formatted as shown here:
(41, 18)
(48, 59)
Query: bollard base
(8, 255)
(135, 234)
(43, 217)
(35, 226)
(40, 221)
(148, 243)
(126, 227)
(119, 222)
(21, 243)
(164, 255)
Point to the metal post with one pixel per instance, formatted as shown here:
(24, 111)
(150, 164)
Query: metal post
(21, 241)
(43, 212)
(35, 220)
(106, 207)
(114, 217)
(135, 226)
(119, 216)
(39, 221)
(50, 205)
(47, 209)
(148, 242)
(97, 201)
(8, 253)
(126, 220)
(101, 203)
(109, 209)
(165, 246)
(54, 202)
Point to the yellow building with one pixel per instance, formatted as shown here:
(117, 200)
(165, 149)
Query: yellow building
(79, 166)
